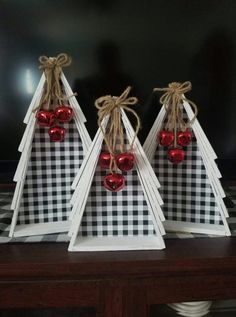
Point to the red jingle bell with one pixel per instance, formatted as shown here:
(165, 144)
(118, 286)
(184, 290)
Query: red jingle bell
(114, 182)
(105, 159)
(57, 134)
(125, 161)
(184, 138)
(45, 118)
(63, 113)
(166, 138)
(176, 156)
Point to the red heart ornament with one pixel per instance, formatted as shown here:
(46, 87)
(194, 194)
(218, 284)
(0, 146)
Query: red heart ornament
(176, 156)
(125, 161)
(184, 138)
(57, 134)
(114, 182)
(63, 113)
(166, 138)
(45, 118)
(105, 159)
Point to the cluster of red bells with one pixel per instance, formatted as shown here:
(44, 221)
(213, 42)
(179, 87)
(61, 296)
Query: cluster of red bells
(124, 161)
(47, 118)
(166, 138)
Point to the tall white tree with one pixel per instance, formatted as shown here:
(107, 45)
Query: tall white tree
(52, 149)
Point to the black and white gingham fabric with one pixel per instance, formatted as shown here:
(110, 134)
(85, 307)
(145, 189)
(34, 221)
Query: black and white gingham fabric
(51, 170)
(6, 216)
(5, 213)
(185, 187)
(123, 213)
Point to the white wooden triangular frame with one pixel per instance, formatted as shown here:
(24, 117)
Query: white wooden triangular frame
(149, 184)
(25, 148)
(208, 156)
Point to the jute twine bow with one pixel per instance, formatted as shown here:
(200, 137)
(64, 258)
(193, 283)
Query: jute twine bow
(173, 99)
(52, 67)
(110, 106)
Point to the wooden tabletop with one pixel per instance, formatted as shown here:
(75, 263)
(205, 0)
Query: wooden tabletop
(29, 260)
(46, 275)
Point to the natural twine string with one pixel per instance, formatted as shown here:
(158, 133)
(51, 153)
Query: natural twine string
(172, 99)
(52, 67)
(110, 106)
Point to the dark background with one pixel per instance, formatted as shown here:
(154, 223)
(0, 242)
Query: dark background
(113, 43)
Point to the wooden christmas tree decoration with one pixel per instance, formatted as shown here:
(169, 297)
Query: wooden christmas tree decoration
(53, 147)
(116, 202)
(184, 161)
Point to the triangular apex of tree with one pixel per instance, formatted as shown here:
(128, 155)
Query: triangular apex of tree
(209, 215)
(41, 165)
(83, 183)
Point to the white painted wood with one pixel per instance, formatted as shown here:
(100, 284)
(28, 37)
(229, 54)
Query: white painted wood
(25, 147)
(36, 98)
(69, 93)
(148, 180)
(184, 226)
(82, 184)
(78, 114)
(26, 151)
(144, 166)
(116, 243)
(150, 143)
(96, 142)
(41, 228)
(211, 173)
(208, 156)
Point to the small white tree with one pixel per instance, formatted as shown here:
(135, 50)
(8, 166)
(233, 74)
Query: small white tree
(115, 219)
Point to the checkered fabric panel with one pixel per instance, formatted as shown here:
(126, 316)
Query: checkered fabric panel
(51, 170)
(5, 213)
(123, 213)
(185, 187)
(6, 216)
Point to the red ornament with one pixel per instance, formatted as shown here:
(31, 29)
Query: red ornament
(114, 182)
(45, 118)
(57, 134)
(184, 138)
(176, 156)
(63, 113)
(105, 159)
(125, 161)
(166, 138)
